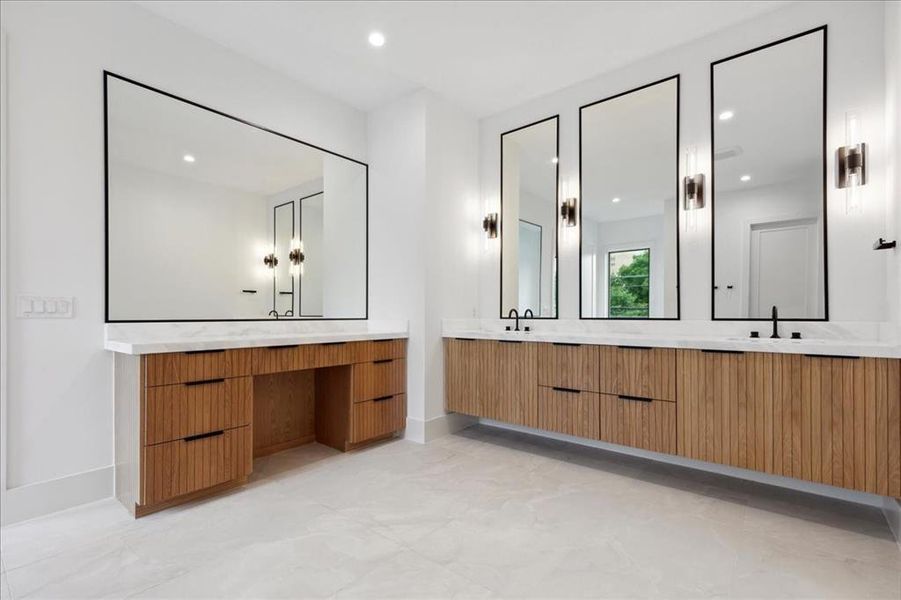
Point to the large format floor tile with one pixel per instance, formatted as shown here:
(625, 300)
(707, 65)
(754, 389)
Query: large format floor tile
(483, 513)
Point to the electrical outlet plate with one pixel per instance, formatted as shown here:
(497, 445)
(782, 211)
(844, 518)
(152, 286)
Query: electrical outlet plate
(45, 307)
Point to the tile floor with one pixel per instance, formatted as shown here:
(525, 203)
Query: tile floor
(483, 513)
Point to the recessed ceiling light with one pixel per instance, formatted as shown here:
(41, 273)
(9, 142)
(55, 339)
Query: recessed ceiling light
(616, 199)
(745, 178)
(188, 158)
(555, 160)
(726, 115)
(377, 39)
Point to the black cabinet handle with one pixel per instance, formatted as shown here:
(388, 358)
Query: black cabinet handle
(723, 351)
(205, 381)
(566, 389)
(465, 339)
(382, 398)
(282, 347)
(383, 361)
(387, 340)
(635, 347)
(200, 436)
(204, 351)
(510, 341)
(333, 343)
(636, 398)
(832, 356)
(249, 291)
(567, 344)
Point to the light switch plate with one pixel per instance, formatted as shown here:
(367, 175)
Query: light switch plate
(45, 307)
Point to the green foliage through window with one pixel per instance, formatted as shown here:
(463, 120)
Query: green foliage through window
(629, 283)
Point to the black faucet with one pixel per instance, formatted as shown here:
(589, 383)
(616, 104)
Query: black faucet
(775, 335)
(528, 314)
(514, 313)
(274, 313)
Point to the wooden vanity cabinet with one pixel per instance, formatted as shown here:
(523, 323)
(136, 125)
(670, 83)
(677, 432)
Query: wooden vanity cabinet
(638, 371)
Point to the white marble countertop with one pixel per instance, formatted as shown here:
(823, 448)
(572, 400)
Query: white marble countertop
(669, 339)
(154, 338)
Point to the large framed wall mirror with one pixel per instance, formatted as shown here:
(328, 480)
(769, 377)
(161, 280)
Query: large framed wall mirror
(769, 181)
(212, 218)
(529, 183)
(629, 244)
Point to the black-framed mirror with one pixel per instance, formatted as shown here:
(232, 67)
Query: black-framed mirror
(529, 219)
(205, 215)
(629, 212)
(768, 184)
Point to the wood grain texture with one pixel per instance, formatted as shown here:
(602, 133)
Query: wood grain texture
(183, 367)
(571, 366)
(639, 424)
(333, 406)
(726, 408)
(840, 422)
(172, 412)
(381, 378)
(512, 392)
(643, 372)
(279, 359)
(181, 467)
(467, 374)
(570, 412)
(376, 418)
(283, 411)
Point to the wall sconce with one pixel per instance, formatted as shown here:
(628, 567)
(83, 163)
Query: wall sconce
(693, 182)
(489, 225)
(851, 164)
(568, 212)
(296, 256)
(270, 260)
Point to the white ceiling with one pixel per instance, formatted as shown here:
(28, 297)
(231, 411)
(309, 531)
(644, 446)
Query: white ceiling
(485, 56)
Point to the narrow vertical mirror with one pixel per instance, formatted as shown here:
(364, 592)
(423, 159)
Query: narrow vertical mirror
(529, 178)
(769, 170)
(311, 244)
(629, 213)
(282, 243)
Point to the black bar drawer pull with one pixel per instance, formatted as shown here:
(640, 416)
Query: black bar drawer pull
(383, 361)
(565, 389)
(333, 343)
(200, 436)
(842, 356)
(382, 398)
(636, 398)
(379, 341)
(205, 381)
(510, 341)
(204, 351)
(465, 339)
(722, 351)
(282, 347)
(635, 347)
(568, 344)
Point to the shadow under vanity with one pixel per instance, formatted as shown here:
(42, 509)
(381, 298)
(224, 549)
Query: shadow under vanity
(822, 412)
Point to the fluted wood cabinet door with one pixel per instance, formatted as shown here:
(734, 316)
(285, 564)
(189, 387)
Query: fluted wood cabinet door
(638, 371)
(466, 374)
(725, 407)
(839, 422)
(513, 392)
(647, 424)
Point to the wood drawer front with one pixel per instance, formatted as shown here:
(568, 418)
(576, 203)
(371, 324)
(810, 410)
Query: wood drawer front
(372, 350)
(644, 372)
(375, 418)
(384, 377)
(572, 366)
(279, 359)
(650, 425)
(184, 466)
(172, 412)
(571, 412)
(183, 367)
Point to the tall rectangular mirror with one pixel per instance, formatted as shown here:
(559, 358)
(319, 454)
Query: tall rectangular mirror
(629, 244)
(212, 218)
(529, 177)
(769, 181)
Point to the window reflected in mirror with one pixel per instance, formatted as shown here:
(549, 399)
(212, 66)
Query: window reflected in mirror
(629, 210)
(769, 226)
(529, 210)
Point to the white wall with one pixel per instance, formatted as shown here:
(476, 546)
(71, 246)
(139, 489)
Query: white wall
(855, 82)
(344, 238)
(893, 156)
(60, 411)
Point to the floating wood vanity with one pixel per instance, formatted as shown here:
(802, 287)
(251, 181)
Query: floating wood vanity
(828, 419)
(189, 424)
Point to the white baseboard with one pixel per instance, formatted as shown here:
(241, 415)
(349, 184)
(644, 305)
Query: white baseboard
(38, 499)
(777, 480)
(423, 431)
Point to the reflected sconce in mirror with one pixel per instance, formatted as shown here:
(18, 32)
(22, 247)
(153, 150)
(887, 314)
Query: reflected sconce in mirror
(568, 212)
(489, 225)
(296, 256)
(851, 164)
(692, 189)
(270, 260)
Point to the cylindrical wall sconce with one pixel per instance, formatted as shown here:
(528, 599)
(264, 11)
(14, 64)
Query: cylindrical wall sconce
(489, 225)
(270, 260)
(692, 189)
(568, 212)
(851, 164)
